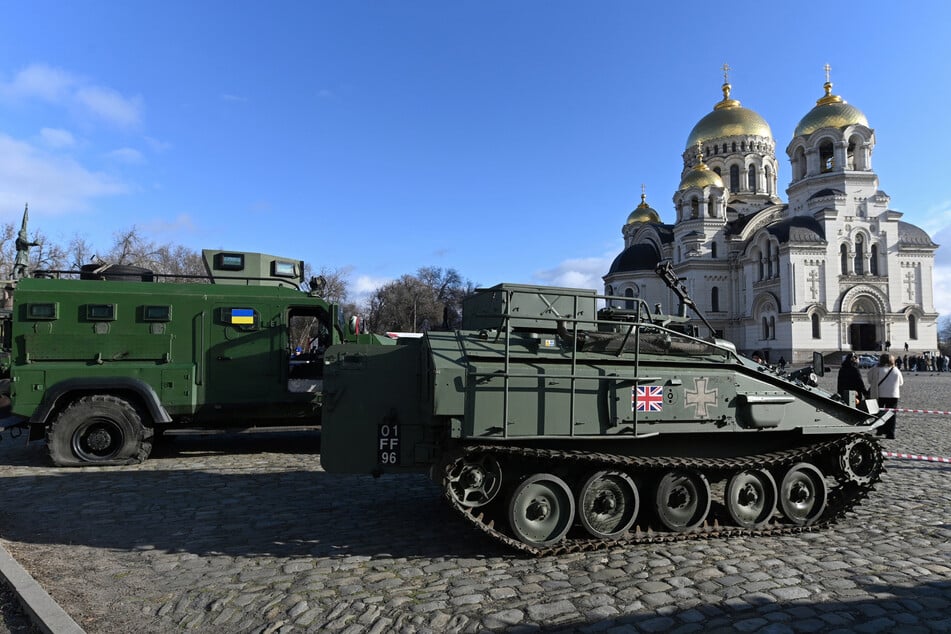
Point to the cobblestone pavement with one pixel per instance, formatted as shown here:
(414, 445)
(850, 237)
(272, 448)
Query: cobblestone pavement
(247, 534)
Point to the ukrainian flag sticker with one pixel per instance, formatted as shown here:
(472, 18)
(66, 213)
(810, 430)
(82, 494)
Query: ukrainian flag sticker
(242, 316)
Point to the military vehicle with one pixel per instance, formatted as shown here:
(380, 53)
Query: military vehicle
(101, 364)
(554, 427)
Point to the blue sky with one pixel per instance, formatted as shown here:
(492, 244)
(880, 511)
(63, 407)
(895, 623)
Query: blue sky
(508, 140)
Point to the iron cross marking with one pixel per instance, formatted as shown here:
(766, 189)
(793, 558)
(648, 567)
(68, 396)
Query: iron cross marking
(701, 397)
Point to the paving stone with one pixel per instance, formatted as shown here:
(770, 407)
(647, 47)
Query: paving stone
(263, 540)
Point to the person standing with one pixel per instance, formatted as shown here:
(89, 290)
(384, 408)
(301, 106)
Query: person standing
(885, 381)
(850, 378)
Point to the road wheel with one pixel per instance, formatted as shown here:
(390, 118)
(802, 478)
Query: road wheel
(541, 509)
(98, 430)
(803, 494)
(751, 498)
(682, 500)
(608, 504)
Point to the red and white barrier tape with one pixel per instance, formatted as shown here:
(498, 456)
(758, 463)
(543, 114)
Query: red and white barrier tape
(915, 411)
(914, 456)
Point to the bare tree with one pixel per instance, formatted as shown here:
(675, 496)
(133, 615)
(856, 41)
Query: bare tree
(944, 334)
(79, 252)
(432, 299)
(8, 234)
(333, 283)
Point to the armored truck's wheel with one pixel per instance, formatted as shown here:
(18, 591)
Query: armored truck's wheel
(98, 430)
(751, 498)
(861, 461)
(474, 482)
(682, 500)
(803, 494)
(541, 509)
(607, 504)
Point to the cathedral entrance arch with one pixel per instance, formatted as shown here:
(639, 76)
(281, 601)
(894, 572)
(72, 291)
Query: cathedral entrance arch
(865, 322)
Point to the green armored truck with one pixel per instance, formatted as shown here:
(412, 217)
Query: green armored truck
(554, 426)
(101, 364)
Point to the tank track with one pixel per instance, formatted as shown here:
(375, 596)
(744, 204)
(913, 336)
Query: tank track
(841, 498)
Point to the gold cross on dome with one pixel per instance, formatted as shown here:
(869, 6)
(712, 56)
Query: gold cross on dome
(726, 70)
(828, 70)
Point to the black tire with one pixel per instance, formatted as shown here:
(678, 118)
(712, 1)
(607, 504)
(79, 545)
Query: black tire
(5, 398)
(98, 430)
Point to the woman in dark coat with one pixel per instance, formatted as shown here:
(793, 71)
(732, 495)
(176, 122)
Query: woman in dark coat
(850, 378)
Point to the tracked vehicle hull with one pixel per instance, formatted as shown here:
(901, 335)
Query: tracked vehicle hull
(554, 429)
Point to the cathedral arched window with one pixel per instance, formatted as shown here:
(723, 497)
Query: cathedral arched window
(717, 170)
(859, 261)
(711, 208)
(765, 328)
(609, 291)
(713, 250)
(912, 327)
(873, 260)
(850, 156)
(629, 304)
(772, 327)
(694, 207)
(769, 180)
(769, 260)
(724, 148)
(816, 330)
(799, 164)
(844, 259)
(734, 146)
(826, 156)
(734, 178)
(751, 178)
(715, 299)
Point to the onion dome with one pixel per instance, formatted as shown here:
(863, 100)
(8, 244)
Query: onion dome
(700, 176)
(637, 257)
(643, 212)
(830, 111)
(911, 236)
(798, 229)
(728, 119)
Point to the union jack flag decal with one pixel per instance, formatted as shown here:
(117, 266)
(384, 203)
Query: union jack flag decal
(648, 398)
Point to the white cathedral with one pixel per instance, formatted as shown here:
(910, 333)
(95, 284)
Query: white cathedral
(833, 269)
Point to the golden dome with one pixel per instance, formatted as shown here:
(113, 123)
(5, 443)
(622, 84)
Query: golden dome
(831, 111)
(700, 176)
(643, 213)
(728, 119)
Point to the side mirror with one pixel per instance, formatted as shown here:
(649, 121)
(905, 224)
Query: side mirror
(817, 365)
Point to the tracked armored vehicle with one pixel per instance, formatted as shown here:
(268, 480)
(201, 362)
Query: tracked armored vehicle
(555, 427)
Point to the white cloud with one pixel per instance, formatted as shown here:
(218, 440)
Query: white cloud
(39, 81)
(365, 285)
(577, 273)
(157, 145)
(127, 155)
(176, 227)
(938, 218)
(942, 290)
(109, 105)
(56, 138)
(59, 87)
(49, 183)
